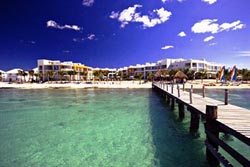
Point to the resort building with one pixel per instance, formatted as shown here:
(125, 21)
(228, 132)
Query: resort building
(166, 63)
(15, 76)
(63, 70)
(210, 68)
(68, 70)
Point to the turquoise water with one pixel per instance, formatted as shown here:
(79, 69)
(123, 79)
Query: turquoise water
(239, 97)
(108, 127)
(93, 128)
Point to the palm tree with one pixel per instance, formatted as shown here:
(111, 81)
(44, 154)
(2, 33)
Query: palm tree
(70, 73)
(150, 76)
(61, 74)
(101, 75)
(50, 75)
(40, 75)
(140, 76)
(20, 73)
(96, 73)
(172, 72)
(189, 73)
(120, 73)
(36, 76)
(0, 76)
(84, 74)
(24, 75)
(31, 75)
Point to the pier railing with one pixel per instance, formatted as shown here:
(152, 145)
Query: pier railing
(220, 117)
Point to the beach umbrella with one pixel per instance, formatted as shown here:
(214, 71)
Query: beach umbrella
(180, 75)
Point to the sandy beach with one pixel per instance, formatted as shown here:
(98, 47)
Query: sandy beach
(82, 85)
(197, 84)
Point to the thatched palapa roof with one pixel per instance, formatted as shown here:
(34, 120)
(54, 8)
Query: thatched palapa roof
(180, 75)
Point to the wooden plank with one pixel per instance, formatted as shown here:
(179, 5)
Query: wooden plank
(232, 118)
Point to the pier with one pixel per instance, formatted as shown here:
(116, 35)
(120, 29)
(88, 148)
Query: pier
(220, 117)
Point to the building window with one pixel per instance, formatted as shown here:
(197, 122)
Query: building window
(187, 65)
(201, 65)
(194, 64)
(164, 66)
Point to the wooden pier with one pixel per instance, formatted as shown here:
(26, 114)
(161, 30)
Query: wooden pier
(220, 117)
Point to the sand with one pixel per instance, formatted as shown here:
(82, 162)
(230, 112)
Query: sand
(81, 85)
(197, 84)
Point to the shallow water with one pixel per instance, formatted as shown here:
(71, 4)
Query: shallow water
(109, 127)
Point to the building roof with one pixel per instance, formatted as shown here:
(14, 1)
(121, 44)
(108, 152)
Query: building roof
(13, 71)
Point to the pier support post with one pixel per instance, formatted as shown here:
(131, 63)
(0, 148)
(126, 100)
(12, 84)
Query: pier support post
(167, 99)
(203, 91)
(195, 121)
(190, 94)
(178, 89)
(172, 103)
(226, 96)
(211, 129)
(181, 110)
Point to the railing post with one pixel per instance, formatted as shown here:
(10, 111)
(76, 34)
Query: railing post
(203, 91)
(226, 96)
(167, 87)
(190, 94)
(211, 130)
(178, 89)
(183, 86)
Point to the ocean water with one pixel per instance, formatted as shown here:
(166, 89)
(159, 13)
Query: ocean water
(95, 127)
(238, 97)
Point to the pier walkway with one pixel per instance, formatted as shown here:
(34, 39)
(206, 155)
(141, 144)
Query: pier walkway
(220, 117)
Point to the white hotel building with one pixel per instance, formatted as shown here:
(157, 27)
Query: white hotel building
(173, 64)
(168, 64)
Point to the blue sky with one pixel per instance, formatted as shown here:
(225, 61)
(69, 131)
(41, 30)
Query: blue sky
(117, 33)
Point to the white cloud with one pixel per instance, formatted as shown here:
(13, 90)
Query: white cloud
(206, 25)
(243, 54)
(54, 24)
(163, 1)
(182, 34)
(211, 26)
(88, 2)
(212, 44)
(91, 36)
(130, 15)
(167, 47)
(66, 51)
(78, 39)
(114, 15)
(233, 26)
(208, 38)
(209, 1)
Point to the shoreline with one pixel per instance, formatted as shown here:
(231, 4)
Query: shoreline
(111, 85)
(95, 85)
